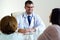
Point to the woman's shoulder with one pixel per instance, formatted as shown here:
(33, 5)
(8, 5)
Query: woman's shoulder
(53, 28)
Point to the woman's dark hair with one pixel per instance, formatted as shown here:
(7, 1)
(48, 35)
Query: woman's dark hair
(8, 24)
(55, 16)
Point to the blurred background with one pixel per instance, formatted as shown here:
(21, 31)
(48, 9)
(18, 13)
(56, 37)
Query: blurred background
(42, 7)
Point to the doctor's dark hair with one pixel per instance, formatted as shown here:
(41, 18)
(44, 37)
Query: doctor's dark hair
(55, 16)
(8, 24)
(28, 2)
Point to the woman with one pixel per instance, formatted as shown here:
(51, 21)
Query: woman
(53, 31)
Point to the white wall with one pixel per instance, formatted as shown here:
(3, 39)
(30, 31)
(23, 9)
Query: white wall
(9, 6)
(42, 7)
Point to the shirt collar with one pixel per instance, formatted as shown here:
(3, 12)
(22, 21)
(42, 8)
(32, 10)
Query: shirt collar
(25, 14)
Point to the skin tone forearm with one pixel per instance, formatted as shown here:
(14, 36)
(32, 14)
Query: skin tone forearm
(22, 31)
(26, 30)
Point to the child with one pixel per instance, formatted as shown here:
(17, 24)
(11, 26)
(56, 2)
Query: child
(8, 29)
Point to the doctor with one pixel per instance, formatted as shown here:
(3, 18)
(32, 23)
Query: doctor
(29, 22)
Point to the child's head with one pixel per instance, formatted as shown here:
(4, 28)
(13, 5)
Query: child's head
(8, 24)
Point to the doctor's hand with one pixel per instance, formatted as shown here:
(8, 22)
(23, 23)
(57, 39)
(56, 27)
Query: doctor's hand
(31, 30)
(23, 31)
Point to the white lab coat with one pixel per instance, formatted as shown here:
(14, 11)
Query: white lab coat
(35, 22)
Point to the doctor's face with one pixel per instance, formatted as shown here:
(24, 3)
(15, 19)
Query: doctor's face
(29, 8)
